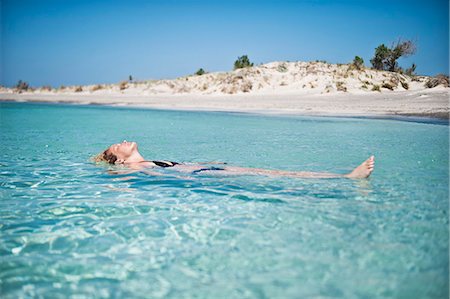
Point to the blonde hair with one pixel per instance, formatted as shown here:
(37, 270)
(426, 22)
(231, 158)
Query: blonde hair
(105, 156)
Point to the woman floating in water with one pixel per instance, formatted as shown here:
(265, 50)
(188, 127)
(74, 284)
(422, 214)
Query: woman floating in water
(127, 153)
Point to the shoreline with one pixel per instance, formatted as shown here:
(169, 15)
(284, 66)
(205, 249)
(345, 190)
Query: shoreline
(433, 117)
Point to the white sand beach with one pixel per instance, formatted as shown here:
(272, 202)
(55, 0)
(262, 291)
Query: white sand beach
(307, 88)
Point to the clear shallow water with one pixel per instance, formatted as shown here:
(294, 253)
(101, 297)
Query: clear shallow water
(70, 228)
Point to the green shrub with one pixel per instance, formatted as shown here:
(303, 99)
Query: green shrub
(78, 89)
(242, 62)
(380, 58)
(200, 72)
(376, 88)
(22, 86)
(405, 85)
(358, 63)
(386, 58)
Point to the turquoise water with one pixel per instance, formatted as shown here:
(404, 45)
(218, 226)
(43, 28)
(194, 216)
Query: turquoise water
(70, 228)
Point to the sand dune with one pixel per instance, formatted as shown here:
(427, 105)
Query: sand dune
(277, 87)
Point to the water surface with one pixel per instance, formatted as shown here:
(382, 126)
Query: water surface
(69, 228)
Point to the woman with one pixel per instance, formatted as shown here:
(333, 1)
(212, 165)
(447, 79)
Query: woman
(127, 153)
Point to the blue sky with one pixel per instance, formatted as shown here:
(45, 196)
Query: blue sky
(70, 42)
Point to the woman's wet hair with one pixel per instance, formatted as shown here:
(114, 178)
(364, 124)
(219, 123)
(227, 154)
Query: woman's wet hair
(106, 156)
(109, 157)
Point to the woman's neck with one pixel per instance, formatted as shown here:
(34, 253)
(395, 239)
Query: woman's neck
(136, 157)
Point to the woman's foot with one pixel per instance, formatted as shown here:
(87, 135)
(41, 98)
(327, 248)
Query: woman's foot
(363, 170)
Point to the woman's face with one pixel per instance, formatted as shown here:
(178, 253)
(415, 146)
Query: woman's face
(123, 150)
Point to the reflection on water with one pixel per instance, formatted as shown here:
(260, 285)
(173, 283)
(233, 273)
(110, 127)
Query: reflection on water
(71, 228)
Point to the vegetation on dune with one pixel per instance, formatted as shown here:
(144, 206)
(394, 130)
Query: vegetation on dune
(200, 72)
(22, 86)
(46, 88)
(97, 87)
(282, 68)
(388, 85)
(411, 71)
(438, 80)
(381, 54)
(340, 86)
(242, 62)
(123, 85)
(326, 76)
(386, 58)
(358, 63)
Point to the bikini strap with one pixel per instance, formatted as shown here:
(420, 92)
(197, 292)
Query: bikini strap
(164, 163)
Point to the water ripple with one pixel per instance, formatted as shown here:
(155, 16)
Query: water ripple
(70, 228)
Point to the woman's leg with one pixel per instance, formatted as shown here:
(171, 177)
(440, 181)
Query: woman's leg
(362, 171)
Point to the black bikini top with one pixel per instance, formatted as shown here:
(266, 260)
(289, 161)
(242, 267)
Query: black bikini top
(165, 163)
